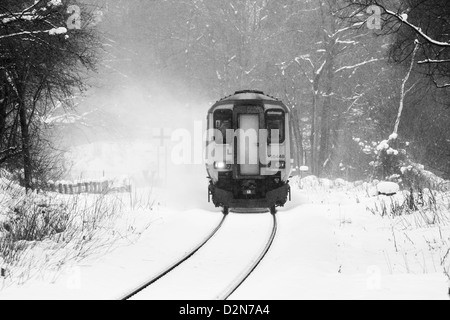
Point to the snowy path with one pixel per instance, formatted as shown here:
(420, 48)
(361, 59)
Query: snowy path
(218, 265)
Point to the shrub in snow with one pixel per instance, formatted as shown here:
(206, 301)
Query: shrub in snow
(35, 219)
(427, 207)
(390, 161)
(310, 182)
(390, 158)
(393, 164)
(358, 183)
(392, 207)
(313, 182)
(376, 157)
(340, 183)
(29, 216)
(326, 183)
(37, 227)
(415, 177)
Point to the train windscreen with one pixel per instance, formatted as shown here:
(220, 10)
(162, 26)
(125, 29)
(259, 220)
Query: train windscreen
(275, 122)
(223, 121)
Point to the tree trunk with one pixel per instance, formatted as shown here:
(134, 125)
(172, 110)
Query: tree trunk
(313, 139)
(325, 130)
(3, 112)
(25, 135)
(297, 138)
(403, 90)
(337, 140)
(301, 150)
(293, 142)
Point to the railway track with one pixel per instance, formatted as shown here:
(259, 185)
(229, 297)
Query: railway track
(246, 273)
(232, 285)
(177, 263)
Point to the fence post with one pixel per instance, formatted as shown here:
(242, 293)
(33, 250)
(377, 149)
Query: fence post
(60, 187)
(80, 187)
(105, 186)
(51, 186)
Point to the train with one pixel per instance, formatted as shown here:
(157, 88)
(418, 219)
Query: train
(248, 152)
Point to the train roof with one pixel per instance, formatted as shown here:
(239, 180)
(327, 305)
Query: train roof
(250, 96)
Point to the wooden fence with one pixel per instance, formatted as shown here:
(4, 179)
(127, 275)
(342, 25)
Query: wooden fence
(92, 187)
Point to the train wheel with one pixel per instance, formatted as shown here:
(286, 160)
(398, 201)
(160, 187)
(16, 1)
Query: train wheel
(226, 210)
(273, 209)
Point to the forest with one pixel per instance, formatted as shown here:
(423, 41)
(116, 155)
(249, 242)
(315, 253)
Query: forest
(368, 81)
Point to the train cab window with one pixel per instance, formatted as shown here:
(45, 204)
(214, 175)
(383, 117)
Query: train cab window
(223, 121)
(275, 120)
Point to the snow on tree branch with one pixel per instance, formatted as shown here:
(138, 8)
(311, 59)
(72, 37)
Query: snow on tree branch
(356, 65)
(319, 71)
(352, 27)
(39, 12)
(403, 91)
(433, 61)
(31, 13)
(305, 58)
(404, 19)
(53, 31)
(441, 86)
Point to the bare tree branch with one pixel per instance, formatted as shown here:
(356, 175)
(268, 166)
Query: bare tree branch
(357, 65)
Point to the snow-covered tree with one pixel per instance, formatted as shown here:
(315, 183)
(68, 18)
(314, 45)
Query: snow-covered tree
(426, 21)
(46, 47)
(333, 72)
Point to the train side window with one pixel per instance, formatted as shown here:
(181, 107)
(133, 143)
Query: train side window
(223, 121)
(275, 120)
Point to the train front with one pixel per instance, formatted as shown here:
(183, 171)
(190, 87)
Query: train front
(248, 152)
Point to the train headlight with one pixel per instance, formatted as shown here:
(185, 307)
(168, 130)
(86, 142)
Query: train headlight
(221, 165)
(277, 165)
(280, 165)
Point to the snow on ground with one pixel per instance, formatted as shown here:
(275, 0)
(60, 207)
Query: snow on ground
(329, 246)
(388, 188)
(113, 275)
(216, 265)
